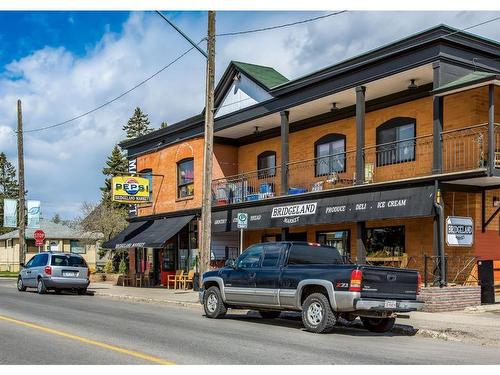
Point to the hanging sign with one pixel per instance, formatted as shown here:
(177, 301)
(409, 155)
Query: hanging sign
(10, 213)
(459, 231)
(129, 189)
(34, 211)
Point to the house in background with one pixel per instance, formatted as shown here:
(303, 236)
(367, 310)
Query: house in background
(58, 237)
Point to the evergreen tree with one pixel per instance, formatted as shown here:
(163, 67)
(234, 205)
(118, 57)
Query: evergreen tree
(116, 165)
(137, 125)
(56, 219)
(163, 125)
(8, 186)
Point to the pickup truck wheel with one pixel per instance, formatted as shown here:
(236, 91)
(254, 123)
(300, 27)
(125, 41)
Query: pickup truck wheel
(317, 315)
(213, 304)
(379, 325)
(270, 314)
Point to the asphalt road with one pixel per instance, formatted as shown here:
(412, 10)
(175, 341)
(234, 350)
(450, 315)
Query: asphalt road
(72, 329)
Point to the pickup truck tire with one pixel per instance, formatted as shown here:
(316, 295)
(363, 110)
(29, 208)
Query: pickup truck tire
(268, 314)
(317, 315)
(213, 305)
(379, 325)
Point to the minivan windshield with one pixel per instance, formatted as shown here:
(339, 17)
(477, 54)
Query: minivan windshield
(68, 261)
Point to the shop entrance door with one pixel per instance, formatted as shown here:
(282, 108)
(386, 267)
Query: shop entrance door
(168, 261)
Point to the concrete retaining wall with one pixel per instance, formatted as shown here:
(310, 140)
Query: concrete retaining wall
(450, 298)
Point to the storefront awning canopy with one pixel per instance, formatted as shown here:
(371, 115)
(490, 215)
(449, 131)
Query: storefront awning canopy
(151, 233)
(387, 204)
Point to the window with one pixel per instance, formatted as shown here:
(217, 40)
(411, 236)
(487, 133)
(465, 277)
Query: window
(67, 261)
(148, 173)
(40, 260)
(266, 164)
(396, 141)
(272, 255)
(306, 254)
(76, 247)
(329, 152)
(185, 178)
(251, 257)
(30, 263)
(337, 239)
(385, 242)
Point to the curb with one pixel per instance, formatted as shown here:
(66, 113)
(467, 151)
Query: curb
(147, 300)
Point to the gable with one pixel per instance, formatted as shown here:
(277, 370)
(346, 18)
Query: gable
(242, 93)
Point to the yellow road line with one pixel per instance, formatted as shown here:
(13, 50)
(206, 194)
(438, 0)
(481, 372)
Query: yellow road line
(99, 344)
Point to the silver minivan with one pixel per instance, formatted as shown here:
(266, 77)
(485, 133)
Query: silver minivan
(54, 271)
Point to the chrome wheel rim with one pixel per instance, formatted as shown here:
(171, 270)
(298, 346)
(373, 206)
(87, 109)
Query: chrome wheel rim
(212, 303)
(39, 286)
(20, 284)
(315, 313)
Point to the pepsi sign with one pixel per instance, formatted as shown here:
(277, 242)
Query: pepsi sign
(130, 189)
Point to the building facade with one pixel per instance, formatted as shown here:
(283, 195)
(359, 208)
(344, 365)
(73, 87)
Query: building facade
(376, 155)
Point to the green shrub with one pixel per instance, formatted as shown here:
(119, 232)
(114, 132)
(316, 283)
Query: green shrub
(108, 268)
(122, 268)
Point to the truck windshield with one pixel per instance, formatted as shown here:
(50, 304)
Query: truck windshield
(307, 254)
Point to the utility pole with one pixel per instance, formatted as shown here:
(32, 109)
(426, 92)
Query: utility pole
(20, 165)
(206, 204)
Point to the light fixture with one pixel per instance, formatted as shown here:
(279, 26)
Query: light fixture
(256, 131)
(334, 107)
(412, 85)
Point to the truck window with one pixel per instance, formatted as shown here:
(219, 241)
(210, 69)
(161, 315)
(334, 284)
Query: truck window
(304, 254)
(272, 255)
(251, 257)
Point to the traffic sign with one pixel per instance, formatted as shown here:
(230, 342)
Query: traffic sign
(242, 220)
(39, 236)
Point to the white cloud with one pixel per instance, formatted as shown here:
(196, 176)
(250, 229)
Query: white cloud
(63, 166)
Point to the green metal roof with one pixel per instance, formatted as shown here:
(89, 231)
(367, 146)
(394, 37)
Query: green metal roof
(265, 75)
(471, 78)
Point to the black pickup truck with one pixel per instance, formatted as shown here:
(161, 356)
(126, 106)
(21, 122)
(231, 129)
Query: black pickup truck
(314, 279)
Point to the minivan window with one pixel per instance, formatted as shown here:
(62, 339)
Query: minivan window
(68, 261)
(271, 255)
(306, 254)
(39, 260)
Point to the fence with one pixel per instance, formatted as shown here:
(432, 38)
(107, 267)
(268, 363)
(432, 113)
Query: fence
(465, 149)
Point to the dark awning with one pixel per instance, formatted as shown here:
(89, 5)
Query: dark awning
(387, 204)
(151, 233)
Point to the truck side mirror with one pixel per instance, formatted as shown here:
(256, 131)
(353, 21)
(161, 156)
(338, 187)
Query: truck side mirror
(230, 263)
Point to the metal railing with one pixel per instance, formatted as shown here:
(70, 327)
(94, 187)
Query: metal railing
(465, 149)
(497, 145)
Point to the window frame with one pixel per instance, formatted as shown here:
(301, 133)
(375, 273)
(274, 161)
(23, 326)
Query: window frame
(394, 124)
(79, 242)
(179, 185)
(365, 238)
(330, 139)
(148, 173)
(268, 171)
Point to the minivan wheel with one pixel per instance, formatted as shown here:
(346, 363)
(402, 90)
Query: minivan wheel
(213, 305)
(317, 315)
(379, 325)
(20, 285)
(40, 287)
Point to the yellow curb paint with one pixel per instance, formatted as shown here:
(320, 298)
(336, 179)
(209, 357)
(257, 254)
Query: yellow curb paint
(56, 332)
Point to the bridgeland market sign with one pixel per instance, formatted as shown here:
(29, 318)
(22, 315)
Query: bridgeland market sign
(390, 204)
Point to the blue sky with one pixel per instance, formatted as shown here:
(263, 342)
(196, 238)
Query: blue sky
(62, 64)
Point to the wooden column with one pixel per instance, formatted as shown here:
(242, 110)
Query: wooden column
(491, 129)
(360, 134)
(437, 109)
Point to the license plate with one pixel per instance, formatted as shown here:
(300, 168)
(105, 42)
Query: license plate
(69, 274)
(390, 304)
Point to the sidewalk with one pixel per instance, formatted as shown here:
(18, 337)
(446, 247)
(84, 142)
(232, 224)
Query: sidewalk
(479, 325)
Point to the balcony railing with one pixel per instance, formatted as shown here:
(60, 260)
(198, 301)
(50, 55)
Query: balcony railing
(463, 149)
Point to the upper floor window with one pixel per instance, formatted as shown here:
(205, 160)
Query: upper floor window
(266, 164)
(185, 178)
(396, 141)
(329, 152)
(148, 173)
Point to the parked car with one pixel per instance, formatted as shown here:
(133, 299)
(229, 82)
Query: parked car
(313, 279)
(54, 271)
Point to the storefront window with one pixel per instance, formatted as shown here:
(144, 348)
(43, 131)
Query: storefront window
(185, 178)
(385, 242)
(396, 141)
(330, 154)
(337, 239)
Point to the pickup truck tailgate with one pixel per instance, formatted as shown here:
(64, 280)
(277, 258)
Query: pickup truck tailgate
(389, 283)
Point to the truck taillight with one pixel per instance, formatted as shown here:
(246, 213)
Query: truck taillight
(356, 278)
(419, 282)
(48, 270)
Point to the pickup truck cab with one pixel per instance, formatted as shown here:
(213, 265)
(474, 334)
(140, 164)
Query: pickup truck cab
(311, 278)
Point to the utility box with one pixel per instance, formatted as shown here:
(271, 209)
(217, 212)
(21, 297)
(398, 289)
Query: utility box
(486, 281)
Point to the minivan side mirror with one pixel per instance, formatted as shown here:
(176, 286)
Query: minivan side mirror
(22, 265)
(230, 263)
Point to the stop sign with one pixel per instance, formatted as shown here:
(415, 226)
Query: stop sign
(39, 236)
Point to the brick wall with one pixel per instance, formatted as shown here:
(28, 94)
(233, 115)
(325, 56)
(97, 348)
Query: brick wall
(450, 298)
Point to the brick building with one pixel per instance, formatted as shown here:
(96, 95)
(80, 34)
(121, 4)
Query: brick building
(370, 155)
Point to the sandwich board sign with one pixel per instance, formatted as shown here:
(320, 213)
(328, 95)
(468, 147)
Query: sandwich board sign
(459, 231)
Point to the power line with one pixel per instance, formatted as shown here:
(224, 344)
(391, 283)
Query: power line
(115, 98)
(282, 26)
(473, 26)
